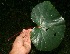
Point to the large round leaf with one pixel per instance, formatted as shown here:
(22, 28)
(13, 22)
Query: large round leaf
(50, 31)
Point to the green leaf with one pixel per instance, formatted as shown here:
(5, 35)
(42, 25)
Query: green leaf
(51, 27)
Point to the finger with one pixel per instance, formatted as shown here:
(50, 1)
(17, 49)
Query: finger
(26, 39)
(29, 30)
(27, 46)
(23, 33)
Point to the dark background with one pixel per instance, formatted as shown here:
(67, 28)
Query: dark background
(15, 15)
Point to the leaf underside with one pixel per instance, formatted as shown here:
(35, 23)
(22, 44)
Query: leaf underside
(51, 23)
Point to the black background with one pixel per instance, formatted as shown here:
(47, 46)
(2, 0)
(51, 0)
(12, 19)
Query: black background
(15, 15)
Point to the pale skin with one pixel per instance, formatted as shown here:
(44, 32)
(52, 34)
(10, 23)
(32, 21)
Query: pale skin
(22, 43)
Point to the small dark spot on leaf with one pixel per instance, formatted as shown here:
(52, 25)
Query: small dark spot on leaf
(54, 34)
(47, 29)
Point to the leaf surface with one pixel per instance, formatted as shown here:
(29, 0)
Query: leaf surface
(51, 27)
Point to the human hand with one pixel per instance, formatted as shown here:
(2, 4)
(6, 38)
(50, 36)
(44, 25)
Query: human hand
(22, 43)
